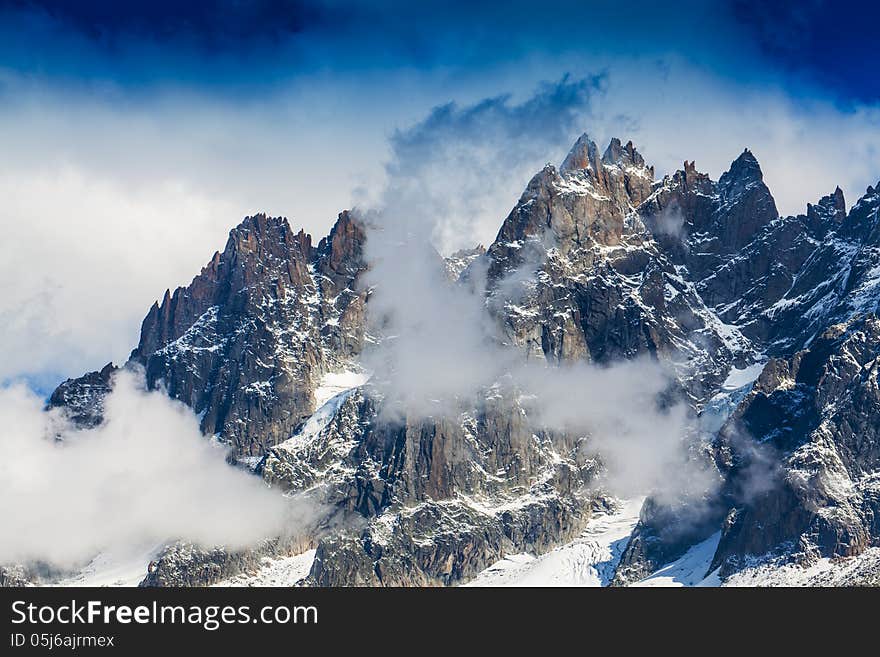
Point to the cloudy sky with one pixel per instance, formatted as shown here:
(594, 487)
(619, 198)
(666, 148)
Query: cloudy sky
(135, 135)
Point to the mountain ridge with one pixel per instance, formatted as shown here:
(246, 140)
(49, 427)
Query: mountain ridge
(701, 275)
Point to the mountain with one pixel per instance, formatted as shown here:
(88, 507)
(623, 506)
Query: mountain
(766, 323)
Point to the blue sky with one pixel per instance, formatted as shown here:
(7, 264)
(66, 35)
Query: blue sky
(237, 47)
(137, 133)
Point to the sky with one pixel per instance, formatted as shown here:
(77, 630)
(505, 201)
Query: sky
(135, 135)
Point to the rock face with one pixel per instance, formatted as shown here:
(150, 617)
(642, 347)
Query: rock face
(802, 452)
(597, 262)
(459, 261)
(461, 490)
(184, 564)
(789, 491)
(246, 343)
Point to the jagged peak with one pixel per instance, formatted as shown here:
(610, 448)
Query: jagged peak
(583, 155)
(262, 231)
(341, 251)
(833, 205)
(261, 223)
(743, 174)
(745, 167)
(871, 195)
(622, 155)
(479, 249)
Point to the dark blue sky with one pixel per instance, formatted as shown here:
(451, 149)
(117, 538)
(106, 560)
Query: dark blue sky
(235, 46)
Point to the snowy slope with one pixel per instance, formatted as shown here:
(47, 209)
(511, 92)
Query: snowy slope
(109, 569)
(286, 571)
(587, 561)
(688, 570)
(861, 570)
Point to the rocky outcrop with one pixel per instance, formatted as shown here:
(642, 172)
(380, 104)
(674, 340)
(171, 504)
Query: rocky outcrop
(185, 564)
(11, 576)
(246, 343)
(459, 261)
(83, 398)
(438, 544)
(576, 272)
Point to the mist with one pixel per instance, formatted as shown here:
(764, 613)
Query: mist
(143, 478)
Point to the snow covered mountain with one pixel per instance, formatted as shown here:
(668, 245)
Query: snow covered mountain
(766, 322)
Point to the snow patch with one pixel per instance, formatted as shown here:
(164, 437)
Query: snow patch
(113, 569)
(737, 378)
(284, 571)
(336, 383)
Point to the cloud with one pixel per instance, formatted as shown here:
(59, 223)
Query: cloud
(447, 176)
(144, 477)
(82, 259)
(644, 445)
(465, 163)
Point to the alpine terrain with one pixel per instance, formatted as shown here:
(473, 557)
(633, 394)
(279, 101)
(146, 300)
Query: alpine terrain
(766, 325)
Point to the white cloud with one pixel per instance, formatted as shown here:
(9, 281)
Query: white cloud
(82, 258)
(146, 476)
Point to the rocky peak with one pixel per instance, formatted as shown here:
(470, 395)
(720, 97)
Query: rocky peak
(745, 203)
(744, 173)
(832, 206)
(870, 200)
(827, 214)
(584, 155)
(458, 262)
(340, 254)
(261, 251)
(261, 235)
(83, 398)
(625, 156)
(690, 178)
